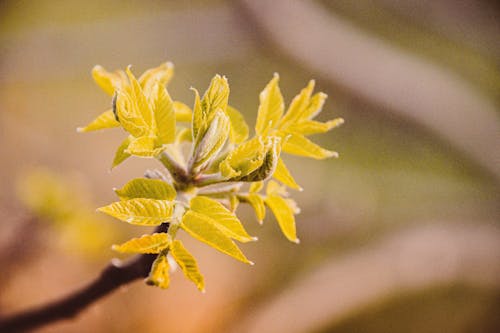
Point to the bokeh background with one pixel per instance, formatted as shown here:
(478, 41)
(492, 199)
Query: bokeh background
(400, 234)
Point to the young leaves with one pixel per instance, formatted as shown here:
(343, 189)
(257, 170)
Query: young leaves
(159, 275)
(104, 120)
(140, 211)
(283, 175)
(154, 243)
(297, 121)
(271, 107)
(215, 98)
(188, 264)
(212, 141)
(164, 114)
(204, 188)
(207, 230)
(283, 210)
(225, 220)
(147, 188)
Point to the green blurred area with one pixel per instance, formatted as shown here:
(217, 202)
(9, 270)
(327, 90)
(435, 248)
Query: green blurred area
(392, 174)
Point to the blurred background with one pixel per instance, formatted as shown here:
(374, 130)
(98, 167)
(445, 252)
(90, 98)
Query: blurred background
(400, 234)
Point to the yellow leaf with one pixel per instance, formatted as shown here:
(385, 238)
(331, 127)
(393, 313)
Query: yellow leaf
(182, 112)
(140, 211)
(188, 264)
(139, 100)
(309, 127)
(275, 188)
(215, 98)
(160, 75)
(129, 114)
(315, 106)
(225, 220)
(154, 243)
(268, 166)
(202, 228)
(212, 141)
(233, 203)
(107, 81)
(104, 120)
(271, 107)
(283, 175)
(298, 106)
(159, 274)
(257, 204)
(143, 146)
(147, 188)
(164, 114)
(183, 134)
(284, 215)
(256, 186)
(198, 116)
(121, 154)
(297, 144)
(239, 128)
(246, 158)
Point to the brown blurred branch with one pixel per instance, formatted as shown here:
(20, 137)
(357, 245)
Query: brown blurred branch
(112, 277)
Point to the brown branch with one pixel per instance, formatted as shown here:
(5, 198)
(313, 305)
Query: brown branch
(112, 277)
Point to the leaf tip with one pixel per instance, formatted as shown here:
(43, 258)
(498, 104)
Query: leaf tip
(251, 263)
(80, 129)
(296, 241)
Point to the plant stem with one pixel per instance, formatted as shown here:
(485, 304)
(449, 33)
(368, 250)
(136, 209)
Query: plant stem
(112, 277)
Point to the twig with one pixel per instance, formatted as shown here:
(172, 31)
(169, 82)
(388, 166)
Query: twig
(112, 277)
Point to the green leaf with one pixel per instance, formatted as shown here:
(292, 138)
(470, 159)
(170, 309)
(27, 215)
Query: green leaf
(160, 75)
(284, 214)
(182, 112)
(224, 219)
(271, 107)
(154, 243)
(121, 153)
(202, 228)
(140, 211)
(283, 175)
(104, 120)
(159, 274)
(298, 106)
(246, 158)
(297, 144)
(147, 188)
(212, 142)
(164, 114)
(188, 264)
(239, 128)
(107, 81)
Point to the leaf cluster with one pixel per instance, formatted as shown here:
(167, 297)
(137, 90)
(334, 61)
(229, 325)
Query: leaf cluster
(208, 156)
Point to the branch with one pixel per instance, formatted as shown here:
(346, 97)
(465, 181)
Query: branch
(112, 277)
